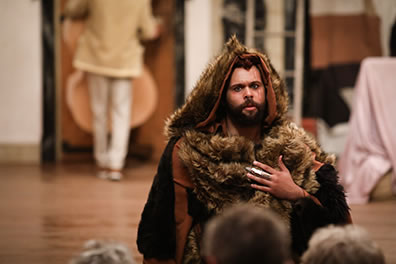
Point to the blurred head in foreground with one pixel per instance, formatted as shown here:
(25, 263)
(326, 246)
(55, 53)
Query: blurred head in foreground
(104, 252)
(348, 244)
(246, 234)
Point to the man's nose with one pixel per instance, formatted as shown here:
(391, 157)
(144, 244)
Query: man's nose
(248, 92)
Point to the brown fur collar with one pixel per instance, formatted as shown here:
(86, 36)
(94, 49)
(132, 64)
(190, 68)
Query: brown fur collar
(216, 165)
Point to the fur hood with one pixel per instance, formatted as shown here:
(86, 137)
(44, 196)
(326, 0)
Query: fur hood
(200, 108)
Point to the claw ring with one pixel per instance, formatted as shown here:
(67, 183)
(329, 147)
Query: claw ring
(260, 173)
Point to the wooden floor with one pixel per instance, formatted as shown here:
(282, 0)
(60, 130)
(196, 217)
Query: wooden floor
(48, 212)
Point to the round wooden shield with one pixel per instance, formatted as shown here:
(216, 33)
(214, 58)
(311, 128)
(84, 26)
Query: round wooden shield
(144, 90)
(144, 100)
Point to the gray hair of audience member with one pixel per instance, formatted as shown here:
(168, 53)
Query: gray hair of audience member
(104, 252)
(348, 244)
(246, 234)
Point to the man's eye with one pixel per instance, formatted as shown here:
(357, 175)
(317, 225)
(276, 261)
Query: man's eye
(237, 89)
(255, 86)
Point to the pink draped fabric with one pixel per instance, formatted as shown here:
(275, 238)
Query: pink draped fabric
(370, 149)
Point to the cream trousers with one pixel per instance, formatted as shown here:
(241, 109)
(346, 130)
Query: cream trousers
(111, 98)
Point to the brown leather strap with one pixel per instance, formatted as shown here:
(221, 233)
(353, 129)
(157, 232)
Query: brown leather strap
(313, 198)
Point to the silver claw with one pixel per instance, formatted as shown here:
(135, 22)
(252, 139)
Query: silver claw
(259, 173)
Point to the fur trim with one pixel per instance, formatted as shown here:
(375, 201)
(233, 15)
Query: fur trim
(216, 166)
(204, 96)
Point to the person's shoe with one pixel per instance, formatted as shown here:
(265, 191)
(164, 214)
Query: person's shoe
(115, 175)
(102, 174)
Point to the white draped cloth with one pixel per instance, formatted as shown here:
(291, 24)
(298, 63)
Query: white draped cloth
(370, 149)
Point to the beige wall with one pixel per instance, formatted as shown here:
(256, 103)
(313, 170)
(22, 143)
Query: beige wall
(20, 80)
(198, 39)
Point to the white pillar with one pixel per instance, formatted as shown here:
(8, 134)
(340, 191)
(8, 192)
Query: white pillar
(197, 32)
(20, 80)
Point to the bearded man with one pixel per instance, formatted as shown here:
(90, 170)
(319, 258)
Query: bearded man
(236, 120)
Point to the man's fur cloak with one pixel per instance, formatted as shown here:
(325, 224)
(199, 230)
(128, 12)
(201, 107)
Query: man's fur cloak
(216, 162)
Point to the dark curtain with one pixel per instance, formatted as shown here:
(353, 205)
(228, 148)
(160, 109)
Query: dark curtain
(48, 141)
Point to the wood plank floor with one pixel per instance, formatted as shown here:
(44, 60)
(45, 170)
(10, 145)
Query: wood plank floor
(47, 212)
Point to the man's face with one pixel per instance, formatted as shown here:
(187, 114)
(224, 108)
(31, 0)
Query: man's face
(245, 97)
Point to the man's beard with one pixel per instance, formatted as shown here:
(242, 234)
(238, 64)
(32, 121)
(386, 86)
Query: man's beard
(240, 118)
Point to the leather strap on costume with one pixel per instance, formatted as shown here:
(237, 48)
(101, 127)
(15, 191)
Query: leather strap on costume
(313, 198)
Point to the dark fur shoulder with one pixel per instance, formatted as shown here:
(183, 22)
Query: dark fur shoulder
(307, 216)
(156, 236)
(331, 194)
